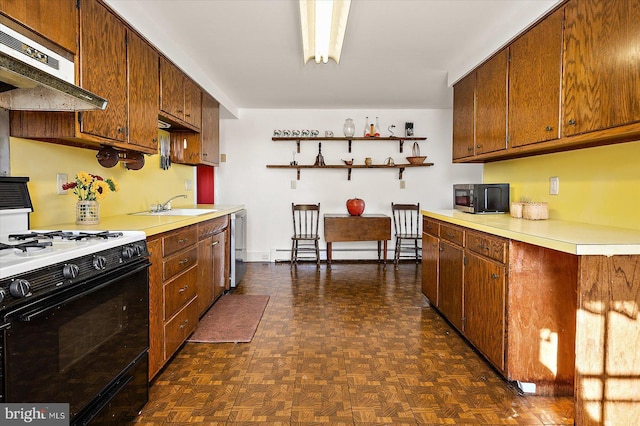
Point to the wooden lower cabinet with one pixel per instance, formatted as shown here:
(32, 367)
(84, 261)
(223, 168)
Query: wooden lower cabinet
(484, 302)
(430, 248)
(450, 292)
(514, 302)
(188, 270)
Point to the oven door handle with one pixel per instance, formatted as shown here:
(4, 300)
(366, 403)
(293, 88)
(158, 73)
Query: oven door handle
(31, 315)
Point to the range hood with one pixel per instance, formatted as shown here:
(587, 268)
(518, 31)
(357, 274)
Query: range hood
(35, 78)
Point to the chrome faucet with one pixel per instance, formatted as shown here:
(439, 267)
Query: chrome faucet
(167, 205)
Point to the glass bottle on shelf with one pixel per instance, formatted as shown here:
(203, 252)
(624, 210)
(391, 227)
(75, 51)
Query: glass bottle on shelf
(366, 128)
(349, 128)
(376, 129)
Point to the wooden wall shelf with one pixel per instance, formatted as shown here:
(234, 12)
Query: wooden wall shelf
(298, 167)
(319, 139)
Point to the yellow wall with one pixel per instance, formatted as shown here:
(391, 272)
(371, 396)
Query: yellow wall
(597, 185)
(40, 161)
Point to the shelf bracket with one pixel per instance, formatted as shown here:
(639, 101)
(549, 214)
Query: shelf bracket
(298, 174)
(401, 142)
(400, 170)
(349, 150)
(349, 173)
(298, 148)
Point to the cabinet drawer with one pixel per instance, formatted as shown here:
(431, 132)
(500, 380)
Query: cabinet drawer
(431, 226)
(180, 327)
(452, 234)
(179, 262)
(179, 291)
(487, 245)
(213, 226)
(179, 240)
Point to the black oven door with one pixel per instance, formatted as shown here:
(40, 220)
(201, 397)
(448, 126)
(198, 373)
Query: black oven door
(71, 347)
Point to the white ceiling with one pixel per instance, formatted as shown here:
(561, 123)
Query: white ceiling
(396, 54)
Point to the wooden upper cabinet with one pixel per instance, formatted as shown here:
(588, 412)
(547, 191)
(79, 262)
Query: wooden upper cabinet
(210, 133)
(171, 89)
(535, 78)
(103, 70)
(55, 20)
(601, 71)
(192, 103)
(180, 97)
(143, 93)
(463, 117)
(491, 104)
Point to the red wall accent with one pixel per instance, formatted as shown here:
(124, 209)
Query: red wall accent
(205, 185)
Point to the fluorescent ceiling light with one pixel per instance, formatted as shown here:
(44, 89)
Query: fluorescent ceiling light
(323, 24)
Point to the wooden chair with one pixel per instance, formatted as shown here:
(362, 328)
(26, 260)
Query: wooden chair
(406, 224)
(305, 242)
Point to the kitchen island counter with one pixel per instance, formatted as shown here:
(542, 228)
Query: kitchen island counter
(569, 237)
(152, 225)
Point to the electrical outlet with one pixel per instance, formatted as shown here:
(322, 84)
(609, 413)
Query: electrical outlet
(403, 184)
(554, 185)
(188, 185)
(61, 178)
(293, 184)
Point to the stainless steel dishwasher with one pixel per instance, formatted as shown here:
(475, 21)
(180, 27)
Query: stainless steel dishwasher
(238, 246)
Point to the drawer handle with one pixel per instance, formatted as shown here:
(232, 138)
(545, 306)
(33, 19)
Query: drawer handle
(483, 247)
(183, 240)
(548, 128)
(495, 276)
(469, 148)
(215, 243)
(450, 234)
(441, 249)
(478, 146)
(184, 324)
(183, 262)
(572, 122)
(183, 289)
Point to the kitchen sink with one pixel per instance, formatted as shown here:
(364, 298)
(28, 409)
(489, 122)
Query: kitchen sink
(176, 212)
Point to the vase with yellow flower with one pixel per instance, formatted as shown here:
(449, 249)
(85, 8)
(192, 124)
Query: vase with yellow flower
(89, 189)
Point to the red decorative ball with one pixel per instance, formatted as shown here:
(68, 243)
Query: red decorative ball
(355, 206)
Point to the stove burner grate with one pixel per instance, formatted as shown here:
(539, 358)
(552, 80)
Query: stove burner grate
(41, 234)
(26, 245)
(105, 235)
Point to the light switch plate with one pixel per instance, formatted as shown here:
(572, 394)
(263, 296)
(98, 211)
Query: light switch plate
(188, 185)
(554, 185)
(223, 158)
(61, 179)
(403, 185)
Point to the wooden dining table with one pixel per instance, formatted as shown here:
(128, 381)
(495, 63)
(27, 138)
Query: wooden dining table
(347, 228)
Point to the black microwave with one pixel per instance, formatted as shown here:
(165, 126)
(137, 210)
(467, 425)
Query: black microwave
(481, 197)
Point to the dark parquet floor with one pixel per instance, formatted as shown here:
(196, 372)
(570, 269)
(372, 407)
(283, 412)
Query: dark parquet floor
(354, 345)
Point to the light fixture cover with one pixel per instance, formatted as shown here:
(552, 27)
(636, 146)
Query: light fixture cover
(332, 31)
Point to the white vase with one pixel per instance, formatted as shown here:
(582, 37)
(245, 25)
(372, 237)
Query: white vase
(87, 212)
(349, 128)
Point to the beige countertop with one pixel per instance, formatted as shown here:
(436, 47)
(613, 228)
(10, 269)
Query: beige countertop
(569, 237)
(152, 225)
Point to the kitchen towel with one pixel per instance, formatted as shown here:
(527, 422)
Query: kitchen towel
(233, 318)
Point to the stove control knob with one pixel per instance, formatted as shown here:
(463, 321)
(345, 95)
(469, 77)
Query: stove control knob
(137, 249)
(70, 271)
(2, 294)
(128, 252)
(19, 288)
(99, 262)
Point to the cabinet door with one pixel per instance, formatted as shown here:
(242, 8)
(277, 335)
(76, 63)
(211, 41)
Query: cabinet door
(535, 76)
(205, 274)
(192, 103)
(55, 20)
(210, 133)
(219, 262)
(464, 93)
(143, 94)
(491, 104)
(103, 70)
(171, 89)
(185, 147)
(484, 307)
(601, 87)
(430, 255)
(156, 308)
(450, 285)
